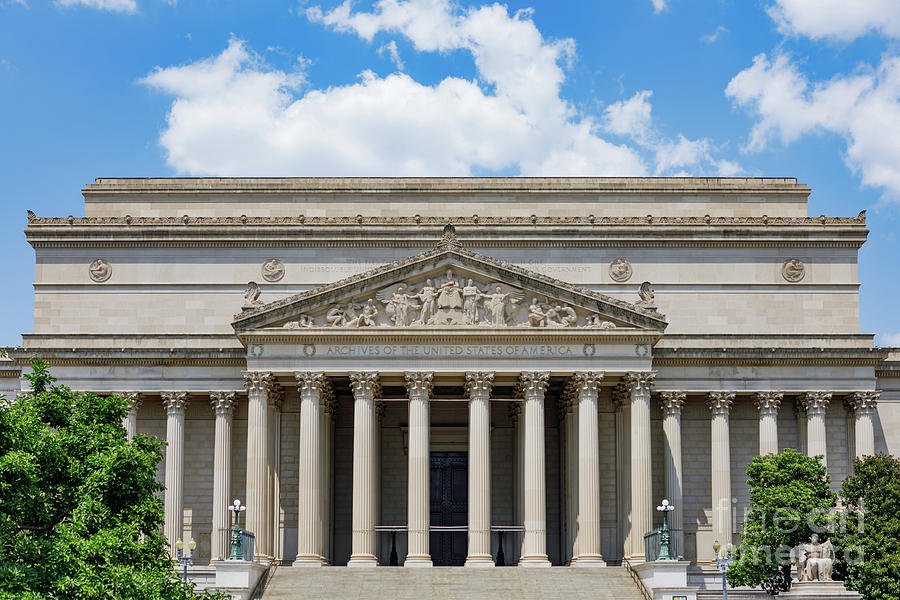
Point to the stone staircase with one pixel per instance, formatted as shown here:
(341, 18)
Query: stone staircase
(450, 583)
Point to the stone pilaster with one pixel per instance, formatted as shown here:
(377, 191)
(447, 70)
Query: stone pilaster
(587, 534)
(310, 525)
(223, 404)
(815, 404)
(173, 520)
(418, 386)
(533, 386)
(366, 388)
(129, 422)
(259, 386)
(862, 405)
(478, 388)
(639, 385)
(672, 403)
(720, 404)
(768, 404)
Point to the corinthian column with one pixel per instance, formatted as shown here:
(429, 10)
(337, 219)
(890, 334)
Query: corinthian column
(622, 402)
(863, 406)
(418, 519)
(310, 526)
(365, 485)
(257, 519)
(173, 523)
(569, 416)
(720, 404)
(587, 540)
(534, 546)
(273, 416)
(223, 403)
(641, 466)
(672, 403)
(768, 404)
(478, 387)
(816, 403)
(130, 421)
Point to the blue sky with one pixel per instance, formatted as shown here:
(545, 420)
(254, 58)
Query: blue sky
(801, 88)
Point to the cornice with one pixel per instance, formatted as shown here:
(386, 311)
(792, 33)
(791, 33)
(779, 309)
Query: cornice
(200, 357)
(705, 357)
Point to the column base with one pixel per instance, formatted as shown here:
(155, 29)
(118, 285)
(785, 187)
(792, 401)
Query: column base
(309, 560)
(535, 560)
(480, 561)
(418, 561)
(588, 560)
(637, 559)
(363, 561)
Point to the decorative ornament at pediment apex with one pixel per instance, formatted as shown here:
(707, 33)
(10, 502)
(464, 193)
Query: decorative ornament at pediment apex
(479, 383)
(672, 402)
(448, 237)
(863, 402)
(533, 383)
(175, 402)
(419, 384)
(793, 270)
(769, 402)
(647, 297)
(365, 385)
(720, 403)
(223, 402)
(251, 296)
(816, 402)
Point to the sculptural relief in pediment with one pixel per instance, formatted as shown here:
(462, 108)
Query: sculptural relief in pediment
(451, 298)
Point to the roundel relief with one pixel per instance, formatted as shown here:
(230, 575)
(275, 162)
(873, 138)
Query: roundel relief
(793, 270)
(620, 270)
(100, 270)
(273, 270)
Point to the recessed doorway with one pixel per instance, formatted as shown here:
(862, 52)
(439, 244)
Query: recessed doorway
(449, 506)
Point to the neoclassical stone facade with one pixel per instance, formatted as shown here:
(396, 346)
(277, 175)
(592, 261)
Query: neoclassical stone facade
(425, 367)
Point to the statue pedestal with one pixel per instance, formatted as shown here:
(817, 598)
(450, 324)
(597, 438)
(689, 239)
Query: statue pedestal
(820, 590)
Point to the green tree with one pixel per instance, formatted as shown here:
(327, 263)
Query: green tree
(869, 538)
(790, 499)
(80, 513)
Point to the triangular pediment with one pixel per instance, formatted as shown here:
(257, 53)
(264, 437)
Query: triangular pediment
(448, 286)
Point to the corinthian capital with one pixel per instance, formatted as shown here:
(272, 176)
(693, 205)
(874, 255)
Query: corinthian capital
(479, 384)
(533, 383)
(672, 402)
(419, 385)
(258, 381)
(816, 402)
(223, 402)
(311, 382)
(175, 402)
(863, 402)
(720, 403)
(133, 399)
(587, 382)
(768, 402)
(640, 381)
(365, 385)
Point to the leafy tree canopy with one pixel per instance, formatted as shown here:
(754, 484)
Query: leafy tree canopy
(80, 513)
(870, 535)
(790, 499)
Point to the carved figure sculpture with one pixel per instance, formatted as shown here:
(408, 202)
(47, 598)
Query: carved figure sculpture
(251, 295)
(814, 560)
(367, 317)
(336, 316)
(496, 304)
(561, 316)
(398, 306)
(793, 270)
(647, 296)
(620, 270)
(536, 315)
(450, 295)
(301, 323)
(471, 296)
(100, 270)
(273, 270)
(428, 296)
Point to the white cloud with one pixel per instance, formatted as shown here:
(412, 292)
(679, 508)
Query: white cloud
(391, 50)
(863, 108)
(120, 6)
(713, 37)
(659, 5)
(842, 20)
(630, 117)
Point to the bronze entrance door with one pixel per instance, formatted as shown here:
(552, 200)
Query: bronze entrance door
(449, 506)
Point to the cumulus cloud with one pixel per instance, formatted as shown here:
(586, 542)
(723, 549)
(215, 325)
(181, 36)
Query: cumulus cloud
(836, 19)
(630, 117)
(119, 6)
(863, 108)
(659, 5)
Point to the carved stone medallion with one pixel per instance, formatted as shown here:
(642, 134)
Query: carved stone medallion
(273, 270)
(793, 270)
(100, 270)
(620, 270)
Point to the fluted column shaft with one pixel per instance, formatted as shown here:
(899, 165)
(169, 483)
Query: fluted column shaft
(310, 526)
(257, 519)
(672, 403)
(223, 403)
(478, 387)
(863, 406)
(768, 404)
(641, 466)
(418, 522)
(173, 520)
(720, 404)
(815, 404)
(365, 485)
(129, 422)
(534, 547)
(588, 532)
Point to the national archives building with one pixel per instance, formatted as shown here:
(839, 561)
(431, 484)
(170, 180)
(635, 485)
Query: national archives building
(463, 371)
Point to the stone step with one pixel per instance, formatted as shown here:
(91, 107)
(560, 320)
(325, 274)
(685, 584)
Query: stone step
(450, 583)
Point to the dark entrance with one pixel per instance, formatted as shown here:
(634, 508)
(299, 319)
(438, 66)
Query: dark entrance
(449, 506)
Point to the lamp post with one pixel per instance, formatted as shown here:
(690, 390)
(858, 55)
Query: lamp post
(665, 550)
(723, 562)
(182, 557)
(237, 552)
